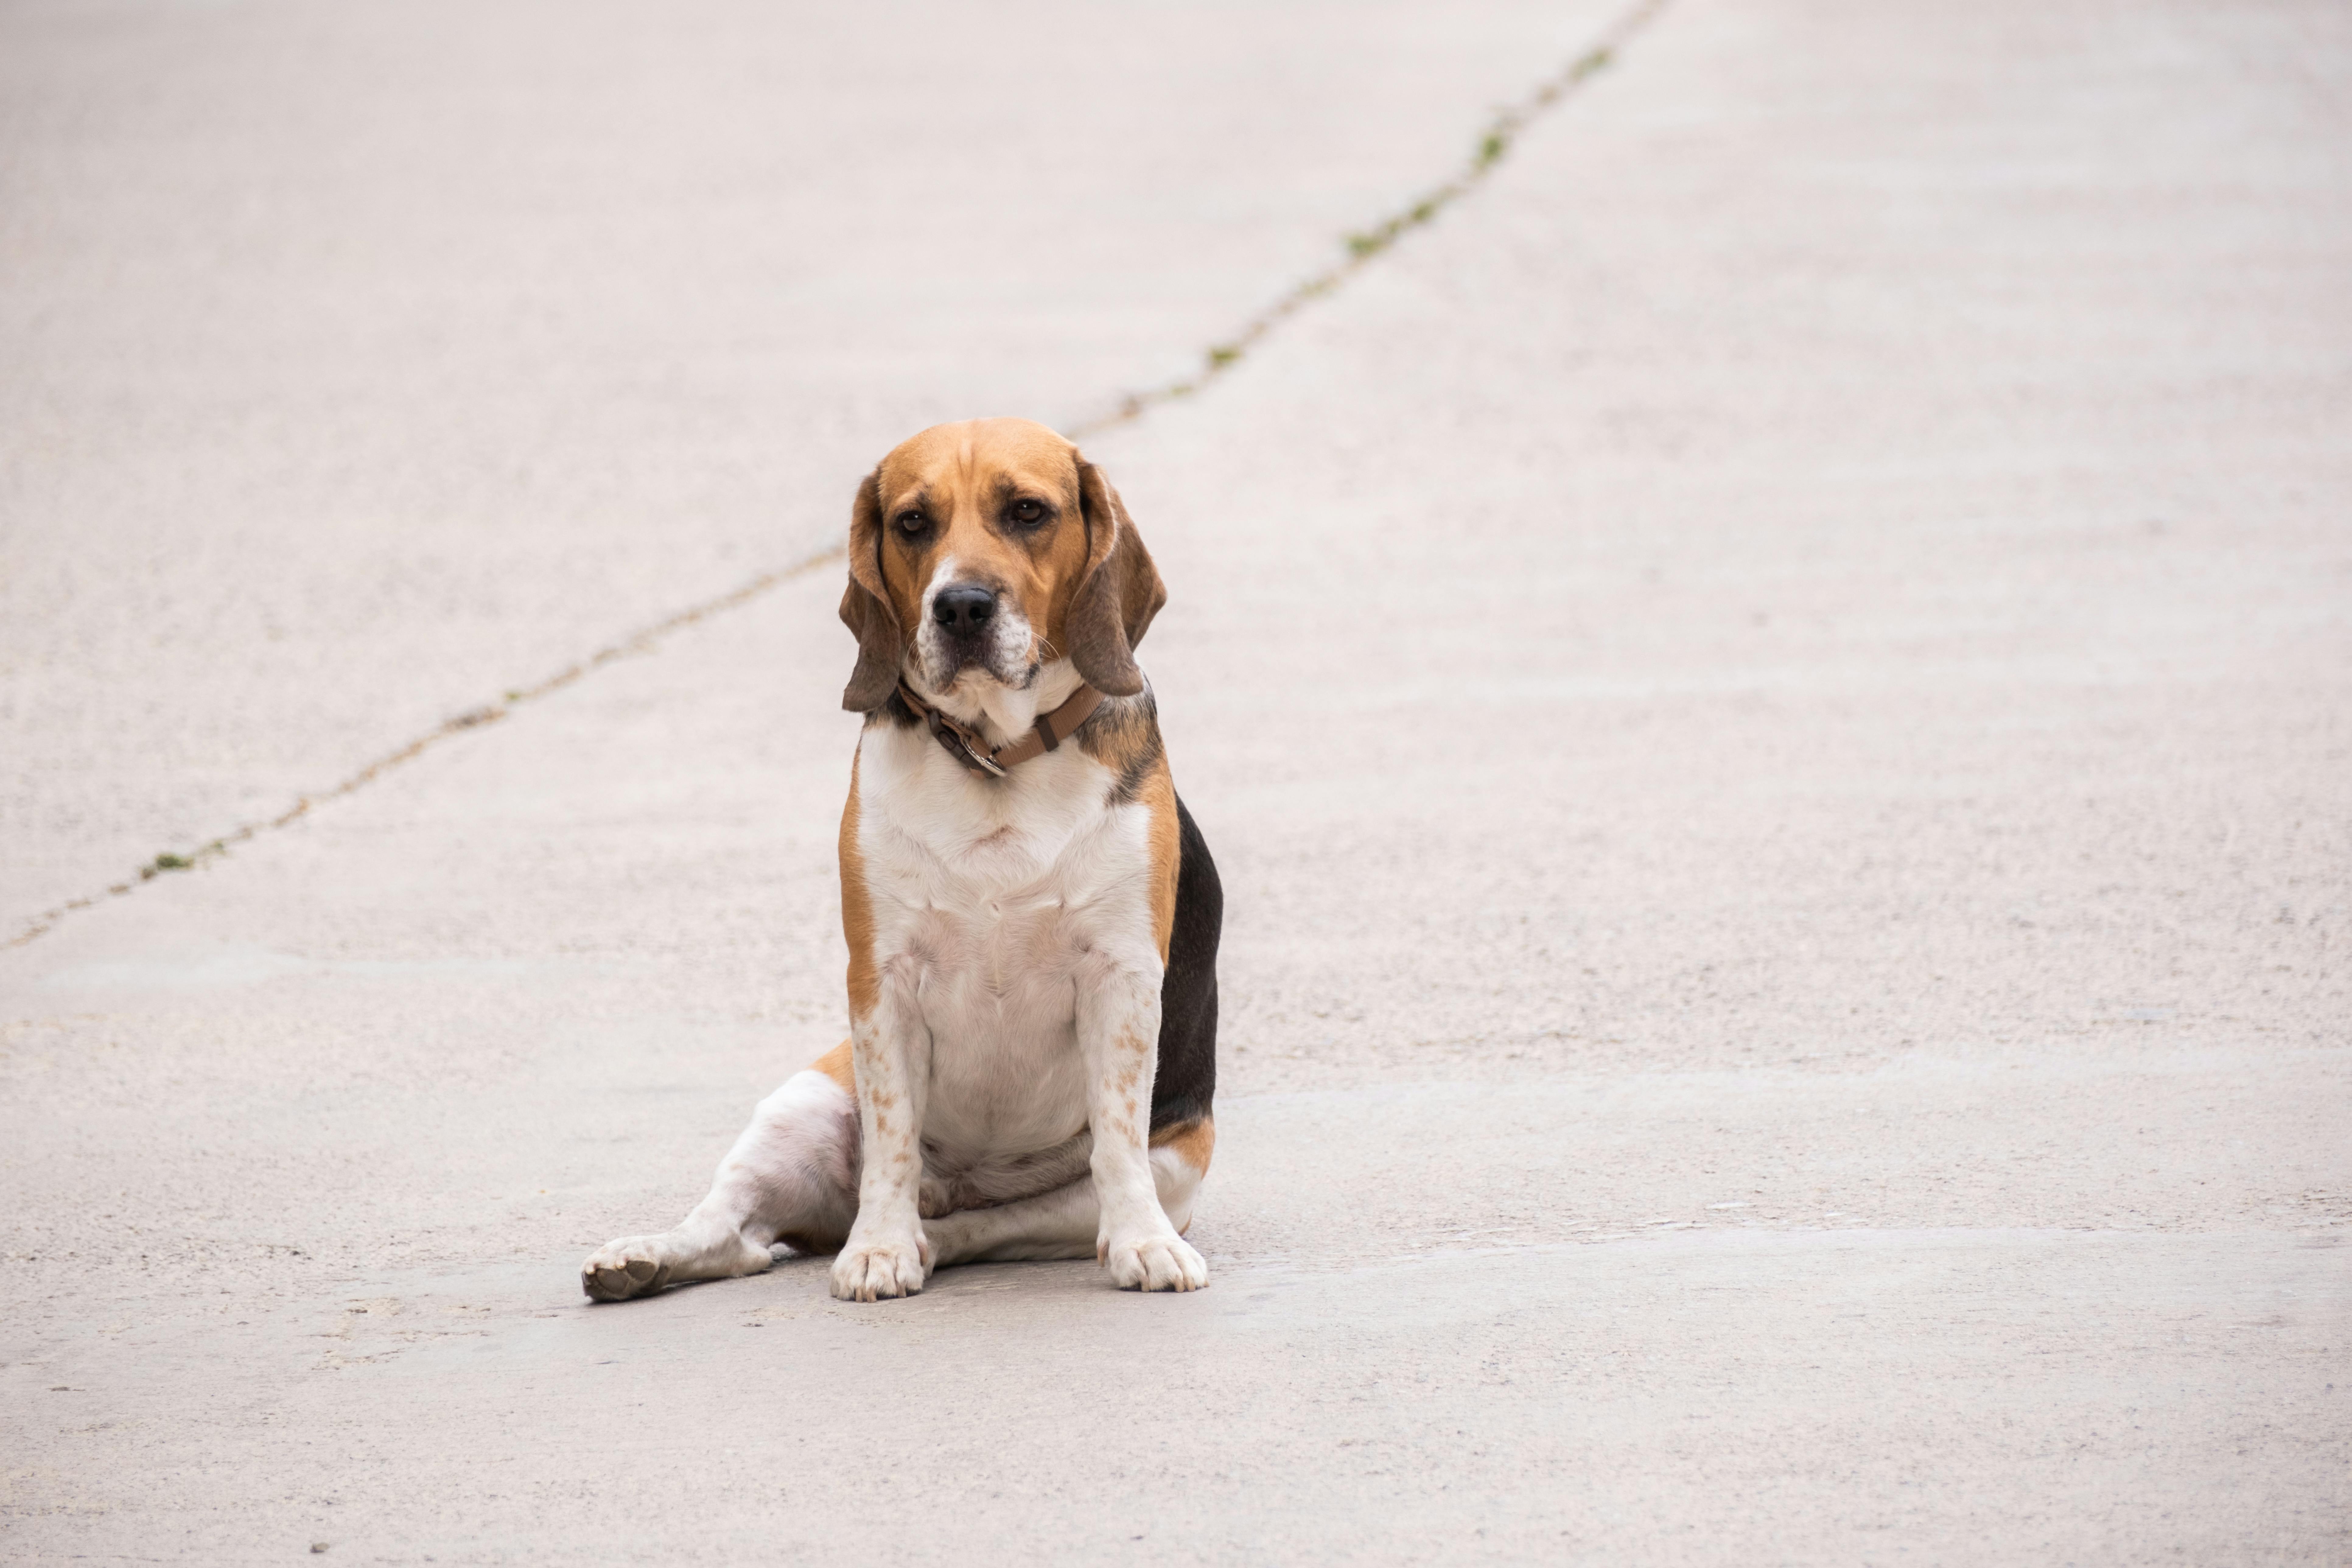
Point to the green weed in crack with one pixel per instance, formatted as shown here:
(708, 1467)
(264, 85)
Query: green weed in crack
(1363, 246)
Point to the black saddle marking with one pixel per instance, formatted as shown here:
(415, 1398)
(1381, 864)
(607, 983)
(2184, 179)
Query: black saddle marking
(1186, 1080)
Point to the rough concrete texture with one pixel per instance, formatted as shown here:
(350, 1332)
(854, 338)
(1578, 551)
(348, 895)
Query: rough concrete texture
(1771, 694)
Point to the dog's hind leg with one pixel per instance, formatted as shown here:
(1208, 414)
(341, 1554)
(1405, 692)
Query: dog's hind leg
(1056, 1224)
(1065, 1221)
(792, 1176)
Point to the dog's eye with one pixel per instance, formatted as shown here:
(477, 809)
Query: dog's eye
(1028, 514)
(913, 522)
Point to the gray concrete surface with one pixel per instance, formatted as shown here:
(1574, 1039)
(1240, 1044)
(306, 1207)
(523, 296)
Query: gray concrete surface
(1770, 695)
(362, 363)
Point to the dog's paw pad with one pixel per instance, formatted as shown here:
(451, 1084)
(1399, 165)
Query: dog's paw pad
(620, 1269)
(1155, 1263)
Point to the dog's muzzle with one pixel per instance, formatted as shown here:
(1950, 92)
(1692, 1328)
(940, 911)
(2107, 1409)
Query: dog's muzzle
(973, 628)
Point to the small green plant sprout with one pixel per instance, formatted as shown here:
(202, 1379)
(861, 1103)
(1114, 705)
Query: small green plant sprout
(1503, 127)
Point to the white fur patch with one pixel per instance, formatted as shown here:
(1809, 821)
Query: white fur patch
(1007, 654)
(990, 902)
(1012, 931)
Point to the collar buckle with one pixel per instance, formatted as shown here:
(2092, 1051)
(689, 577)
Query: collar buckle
(973, 753)
(960, 744)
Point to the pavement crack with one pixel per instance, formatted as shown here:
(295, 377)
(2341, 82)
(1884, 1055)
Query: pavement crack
(1362, 248)
(1368, 244)
(644, 640)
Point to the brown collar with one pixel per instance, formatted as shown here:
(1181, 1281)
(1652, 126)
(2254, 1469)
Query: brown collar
(966, 746)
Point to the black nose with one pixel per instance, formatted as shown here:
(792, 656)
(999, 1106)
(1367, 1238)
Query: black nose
(963, 607)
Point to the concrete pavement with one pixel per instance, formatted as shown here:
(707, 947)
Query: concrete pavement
(364, 365)
(1769, 695)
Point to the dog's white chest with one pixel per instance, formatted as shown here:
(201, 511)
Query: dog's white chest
(989, 900)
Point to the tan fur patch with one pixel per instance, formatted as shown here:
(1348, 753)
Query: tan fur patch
(1159, 795)
(835, 1065)
(857, 913)
(952, 490)
(1193, 1142)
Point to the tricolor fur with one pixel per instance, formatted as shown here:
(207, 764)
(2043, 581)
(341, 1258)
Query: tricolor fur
(1032, 958)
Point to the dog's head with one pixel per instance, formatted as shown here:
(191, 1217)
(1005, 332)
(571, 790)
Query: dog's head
(985, 551)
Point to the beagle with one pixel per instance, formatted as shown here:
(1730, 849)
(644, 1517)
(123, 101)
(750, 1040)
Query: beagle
(1032, 915)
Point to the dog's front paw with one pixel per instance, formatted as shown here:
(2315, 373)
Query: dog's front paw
(877, 1269)
(633, 1266)
(1155, 1263)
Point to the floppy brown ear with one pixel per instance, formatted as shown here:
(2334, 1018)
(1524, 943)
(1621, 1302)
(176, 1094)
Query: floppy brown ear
(1119, 594)
(865, 606)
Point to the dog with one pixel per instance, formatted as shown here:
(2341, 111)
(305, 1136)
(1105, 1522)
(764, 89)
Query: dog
(1032, 915)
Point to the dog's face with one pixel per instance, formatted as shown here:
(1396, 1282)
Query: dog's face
(984, 552)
